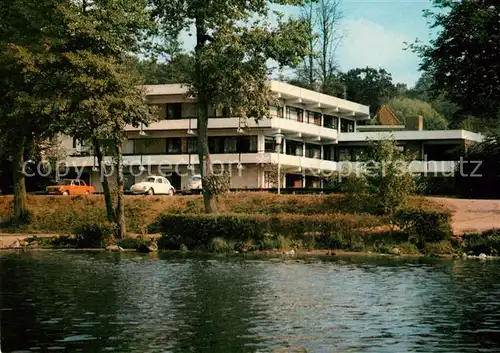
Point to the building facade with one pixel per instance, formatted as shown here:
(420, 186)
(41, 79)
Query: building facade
(309, 134)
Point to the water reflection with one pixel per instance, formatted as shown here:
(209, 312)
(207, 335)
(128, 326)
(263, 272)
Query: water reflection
(97, 302)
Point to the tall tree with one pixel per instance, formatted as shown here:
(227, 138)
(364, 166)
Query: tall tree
(369, 86)
(93, 72)
(26, 99)
(174, 70)
(319, 70)
(464, 59)
(234, 41)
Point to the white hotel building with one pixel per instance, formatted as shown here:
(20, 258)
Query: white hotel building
(319, 133)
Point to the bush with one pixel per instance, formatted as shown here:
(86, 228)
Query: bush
(487, 242)
(287, 230)
(443, 247)
(388, 175)
(94, 234)
(219, 244)
(424, 226)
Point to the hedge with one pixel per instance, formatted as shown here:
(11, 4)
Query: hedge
(198, 230)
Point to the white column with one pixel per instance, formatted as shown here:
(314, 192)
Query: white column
(261, 143)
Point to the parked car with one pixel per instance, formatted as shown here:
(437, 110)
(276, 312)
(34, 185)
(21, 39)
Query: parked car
(70, 187)
(153, 185)
(193, 185)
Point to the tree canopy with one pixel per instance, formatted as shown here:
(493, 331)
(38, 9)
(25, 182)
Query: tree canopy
(369, 86)
(405, 108)
(464, 59)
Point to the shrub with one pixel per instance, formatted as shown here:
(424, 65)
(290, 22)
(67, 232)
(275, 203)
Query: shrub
(94, 234)
(424, 226)
(388, 175)
(486, 242)
(219, 244)
(443, 247)
(287, 230)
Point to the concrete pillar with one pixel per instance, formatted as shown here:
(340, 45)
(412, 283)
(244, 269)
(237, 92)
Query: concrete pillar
(303, 178)
(261, 143)
(322, 120)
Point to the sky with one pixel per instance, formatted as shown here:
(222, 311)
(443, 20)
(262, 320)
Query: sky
(374, 35)
(375, 32)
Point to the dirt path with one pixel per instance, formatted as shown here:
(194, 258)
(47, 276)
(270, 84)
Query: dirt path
(473, 215)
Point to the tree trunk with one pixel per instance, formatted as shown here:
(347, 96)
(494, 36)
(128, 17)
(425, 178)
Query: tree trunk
(105, 184)
(20, 208)
(120, 207)
(204, 155)
(202, 119)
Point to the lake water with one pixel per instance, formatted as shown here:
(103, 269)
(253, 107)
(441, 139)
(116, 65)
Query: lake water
(100, 302)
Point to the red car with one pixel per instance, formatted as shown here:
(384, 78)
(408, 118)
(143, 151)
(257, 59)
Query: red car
(70, 187)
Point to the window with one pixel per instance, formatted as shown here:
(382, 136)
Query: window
(174, 145)
(174, 111)
(275, 111)
(344, 154)
(330, 122)
(159, 181)
(353, 154)
(346, 125)
(313, 118)
(230, 144)
(328, 153)
(294, 148)
(226, 112)
(128, 147)
(149, 146)
(293, 113)
(313, 151)
(269, 144)
(216, 144)
(191, 145)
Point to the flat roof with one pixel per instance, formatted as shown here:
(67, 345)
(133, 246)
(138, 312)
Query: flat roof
(411, 135)
(288, 93)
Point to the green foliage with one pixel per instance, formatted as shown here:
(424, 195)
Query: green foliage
(473, 59)
(176, 70)
(219, 244)
(388, 175)
(424, 226)
(444, 247)
(348, 183)
(478, 175)
(487, 243)
(217, 184)
(134, 243)
(197, 231)
(369, 86)
(94, 234)
(406, 108)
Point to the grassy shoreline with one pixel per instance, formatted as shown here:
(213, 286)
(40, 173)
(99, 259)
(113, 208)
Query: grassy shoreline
(249, 222)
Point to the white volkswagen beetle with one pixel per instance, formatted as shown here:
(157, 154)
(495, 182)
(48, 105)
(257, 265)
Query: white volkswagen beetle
(153, 185)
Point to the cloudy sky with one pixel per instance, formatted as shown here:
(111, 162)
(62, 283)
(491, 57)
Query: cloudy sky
(374, 35)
